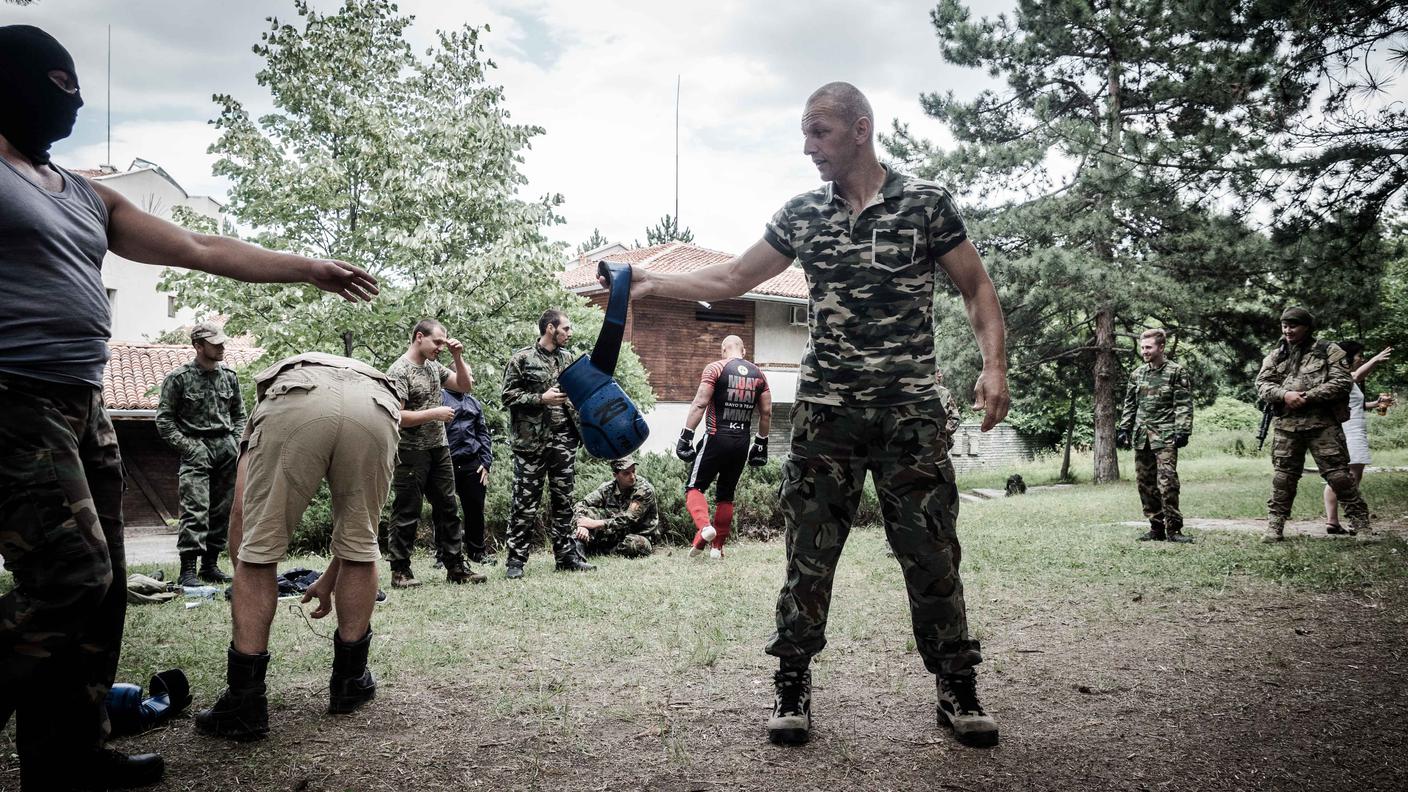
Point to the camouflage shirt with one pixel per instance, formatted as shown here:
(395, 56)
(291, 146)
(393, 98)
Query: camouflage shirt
(530, 372)
(1158, 403)
(953, 414)
(632, 512)
(1317, 368)
(418, 385)
(870, 274)
(199, 403)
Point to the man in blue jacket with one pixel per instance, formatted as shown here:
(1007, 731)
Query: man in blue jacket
(472, 452)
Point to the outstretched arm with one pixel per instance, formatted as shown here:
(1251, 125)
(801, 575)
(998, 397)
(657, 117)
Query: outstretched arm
(139, 236)
(719, 281)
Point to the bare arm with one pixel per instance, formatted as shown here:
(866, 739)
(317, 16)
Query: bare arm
(1362, 373)
(410, 418)
(716, 282)
(139, 236)
(764, 413)
(699, 405)
(965, 269)
(460, 380)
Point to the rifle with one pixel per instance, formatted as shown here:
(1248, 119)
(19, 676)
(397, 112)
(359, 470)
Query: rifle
(1267, 412)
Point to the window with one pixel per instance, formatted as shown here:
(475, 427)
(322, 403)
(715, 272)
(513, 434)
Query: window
(720, 317)
(170, 307)
(799, 315)
(112, 295)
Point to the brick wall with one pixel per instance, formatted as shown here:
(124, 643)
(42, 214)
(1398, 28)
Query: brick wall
(674, 345)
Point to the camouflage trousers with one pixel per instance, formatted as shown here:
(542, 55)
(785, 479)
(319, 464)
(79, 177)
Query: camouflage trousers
(61, 536)
(832, 450)
(1156, 472)
(557, 464)
(1327, 446)
(605, 541)
(207, 488)
(424, 473)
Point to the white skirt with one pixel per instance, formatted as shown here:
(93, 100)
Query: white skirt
(1357, 440)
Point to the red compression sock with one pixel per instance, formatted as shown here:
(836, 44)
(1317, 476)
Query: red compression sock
(723, 521)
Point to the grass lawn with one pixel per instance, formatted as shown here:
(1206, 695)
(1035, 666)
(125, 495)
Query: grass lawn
(1104, 657)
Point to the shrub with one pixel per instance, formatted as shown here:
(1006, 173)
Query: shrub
(1228, 413)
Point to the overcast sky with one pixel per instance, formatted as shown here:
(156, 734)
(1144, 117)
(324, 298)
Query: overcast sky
(598, 75)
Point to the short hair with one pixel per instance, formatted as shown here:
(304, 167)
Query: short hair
(1352, 349)
(847, 100)
(551, 316)
(425, 327)
(1156, 333)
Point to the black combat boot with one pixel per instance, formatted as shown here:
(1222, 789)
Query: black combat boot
(960, 710)
(791, 721)
(575, 559)
(210, 570)
(188, 570)
(106, 769)
(242, 713)
(352, 684)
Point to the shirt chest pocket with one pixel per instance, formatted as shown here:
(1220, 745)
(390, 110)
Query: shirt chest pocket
(894, 248)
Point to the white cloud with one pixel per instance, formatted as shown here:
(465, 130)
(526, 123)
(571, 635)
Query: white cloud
(599, 75)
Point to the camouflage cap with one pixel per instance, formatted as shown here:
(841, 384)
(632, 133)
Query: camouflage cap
(209, 332)
(624, 463)
(1298, 315)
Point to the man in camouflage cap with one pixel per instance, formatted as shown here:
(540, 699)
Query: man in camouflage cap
(871, 243)
(544, 438)
(201, 415)
(620, 516)
(1157, 421)
(1307, 383)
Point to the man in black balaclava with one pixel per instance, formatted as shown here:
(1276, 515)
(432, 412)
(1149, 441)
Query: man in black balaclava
(60, 468)
(39, 97)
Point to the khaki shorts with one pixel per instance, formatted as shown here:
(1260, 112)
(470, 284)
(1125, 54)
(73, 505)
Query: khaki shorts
(315, 423)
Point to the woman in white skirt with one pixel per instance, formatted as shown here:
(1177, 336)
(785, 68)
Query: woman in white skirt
(1355, 436)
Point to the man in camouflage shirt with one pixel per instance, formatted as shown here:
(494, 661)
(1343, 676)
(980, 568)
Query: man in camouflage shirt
(544, 437)
(871, 243)
(1307, 384)
(620, 516)
(201, 415)
(1157, 421)
(423, 457)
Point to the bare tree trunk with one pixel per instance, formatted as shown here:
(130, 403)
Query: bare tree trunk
(1107, 464)
(1070, 438)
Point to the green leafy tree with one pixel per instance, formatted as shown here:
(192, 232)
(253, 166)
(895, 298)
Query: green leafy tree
(1089, 238)
(667, 230)
(596, 240)
(405, 165)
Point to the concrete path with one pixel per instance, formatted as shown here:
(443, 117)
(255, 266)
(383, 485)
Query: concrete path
(146, 545)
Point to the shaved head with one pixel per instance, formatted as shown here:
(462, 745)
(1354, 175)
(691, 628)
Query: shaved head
(732, 346)
(843, 100)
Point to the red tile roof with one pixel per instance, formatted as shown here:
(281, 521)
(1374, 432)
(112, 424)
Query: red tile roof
(682, 257)
(133, 377)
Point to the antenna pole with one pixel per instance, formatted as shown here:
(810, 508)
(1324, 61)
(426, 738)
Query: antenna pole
(677, 151)
(109, 162)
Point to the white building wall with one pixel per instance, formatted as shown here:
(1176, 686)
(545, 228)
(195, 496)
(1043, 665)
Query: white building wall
(139, 309)
(775, 339)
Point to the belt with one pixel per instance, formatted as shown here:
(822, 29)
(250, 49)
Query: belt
(211, 433)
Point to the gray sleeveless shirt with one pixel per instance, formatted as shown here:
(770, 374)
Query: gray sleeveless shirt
(54, 314)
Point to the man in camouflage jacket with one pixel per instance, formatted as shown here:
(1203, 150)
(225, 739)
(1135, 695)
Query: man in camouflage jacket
(872, 243)
(544, 438)
(620, 516)
(1157, 421)
(201, 415)
(1307, 382)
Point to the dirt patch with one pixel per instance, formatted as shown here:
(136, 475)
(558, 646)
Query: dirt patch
(1272, 691)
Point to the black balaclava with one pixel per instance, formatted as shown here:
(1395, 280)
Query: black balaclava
(34, 112)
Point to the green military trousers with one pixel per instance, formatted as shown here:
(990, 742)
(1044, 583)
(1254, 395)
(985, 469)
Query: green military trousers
(207, 487)
(1156, 473)
(61, 537)
(832, 450)
(1327, 446)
